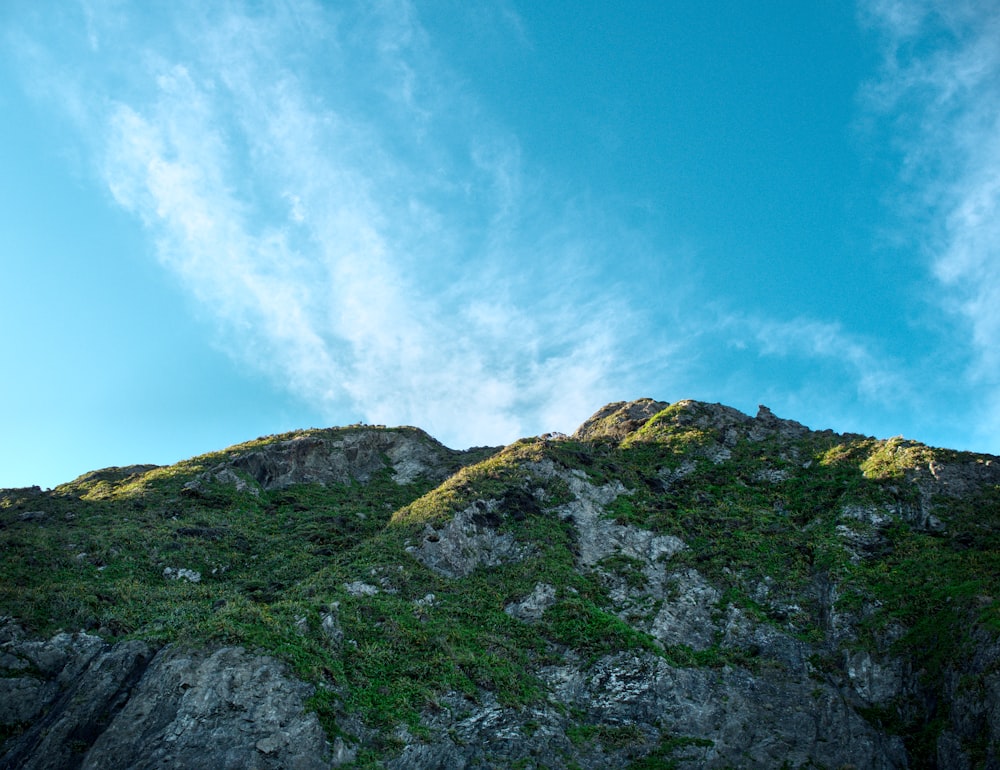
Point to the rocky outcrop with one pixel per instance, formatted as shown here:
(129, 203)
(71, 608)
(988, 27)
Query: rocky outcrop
(467, 541)
(770, 698)
(95, 706)
(342, 457)
(617, 420)
(626, 706)
(597, 535)
(335, 456)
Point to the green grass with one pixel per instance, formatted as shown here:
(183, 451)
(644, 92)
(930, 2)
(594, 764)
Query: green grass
(662, 757)
(273, 565)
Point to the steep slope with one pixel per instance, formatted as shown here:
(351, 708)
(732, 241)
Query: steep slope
(672, 586)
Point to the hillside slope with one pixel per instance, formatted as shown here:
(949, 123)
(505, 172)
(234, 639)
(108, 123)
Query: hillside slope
(672, 586)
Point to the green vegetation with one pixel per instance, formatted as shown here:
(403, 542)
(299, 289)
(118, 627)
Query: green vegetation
(751, 511)
(662, 757)
(493, 478)
(321, 576)
(609, 736)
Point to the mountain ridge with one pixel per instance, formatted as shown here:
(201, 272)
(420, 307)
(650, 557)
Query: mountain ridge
(672, 585)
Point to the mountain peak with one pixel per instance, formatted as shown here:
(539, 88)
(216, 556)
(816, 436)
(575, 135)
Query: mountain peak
(622, 419)
(616, 420)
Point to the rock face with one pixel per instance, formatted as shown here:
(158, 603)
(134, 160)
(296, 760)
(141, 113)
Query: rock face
(466, 542)
(675, 585)
(776, 711)
(617, 420)
(352, 456)
(103, 707)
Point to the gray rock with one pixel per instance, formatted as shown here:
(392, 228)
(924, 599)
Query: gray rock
(82, 708)
(330, 624)
(360, 588)
(972, 698)
(221, 709)
(127, 707)
(467, 541)
(687, 617)
(22, 698)
(182, 573)
(617, 420)
(753, 721)
(670, 476)
(877, 681)
(767, 425)
(342, 457)
(598, 536)
(222, 475)
(737, 718)
(531, 608)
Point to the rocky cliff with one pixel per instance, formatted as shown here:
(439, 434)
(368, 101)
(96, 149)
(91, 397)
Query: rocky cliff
(675, 585)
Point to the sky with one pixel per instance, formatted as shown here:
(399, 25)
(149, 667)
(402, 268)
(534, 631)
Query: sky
(488, 218)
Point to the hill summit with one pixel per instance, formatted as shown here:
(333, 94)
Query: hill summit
(673, 586)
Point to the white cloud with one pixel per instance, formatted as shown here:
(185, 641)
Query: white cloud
(875, 378)
(939, 89)
(369, 237)
(355, 234)
(939, 92)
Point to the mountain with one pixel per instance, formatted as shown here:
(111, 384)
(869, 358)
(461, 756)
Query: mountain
(673, 586)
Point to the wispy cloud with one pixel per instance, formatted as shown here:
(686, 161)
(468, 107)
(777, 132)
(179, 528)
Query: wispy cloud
(362, 233)
(939, 93)
(815, 371)
(876, 378)
(366, 233)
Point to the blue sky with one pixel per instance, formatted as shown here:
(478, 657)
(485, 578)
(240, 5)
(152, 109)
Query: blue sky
(488, 218)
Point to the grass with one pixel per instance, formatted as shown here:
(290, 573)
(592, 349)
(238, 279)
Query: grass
(662, 756)
(274, 566)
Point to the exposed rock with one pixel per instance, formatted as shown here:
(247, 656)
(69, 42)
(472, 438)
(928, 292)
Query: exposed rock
(330, 623)
(962, 478)
(182, 573)
(726, 423)
(669, 476)
(876, 681)
(218, 709)
(22, 698)
(766, 424)
(598, 536)
(633, 704)
(863, 531)
(32, 671)
(92, 687)
(467, 541)
(360, 588)
(763, 719)
(617, 420)
(771, 475)
(127, 707)
(488, 735)
(531, 608)
(344, 456)
(687, 616)
(222, 475)
(972, 697)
